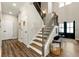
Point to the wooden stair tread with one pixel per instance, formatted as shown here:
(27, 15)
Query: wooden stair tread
(34, 53)
(36, 46)
(44, 37)
(46, 29)
(43, 33)
(38, 41)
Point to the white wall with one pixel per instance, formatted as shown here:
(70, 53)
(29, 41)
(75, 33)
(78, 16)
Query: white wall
(49, 8)
(0, 9)
(33, 23)
(0, 24)
(8, 27)
(69, 13)
(44, 6)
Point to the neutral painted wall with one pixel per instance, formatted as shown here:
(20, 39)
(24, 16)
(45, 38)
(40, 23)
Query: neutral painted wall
(8, 27)
(0, 9)
(44, 6)
(49, 8)
(0, 24)
(33, 23)
(69, 13)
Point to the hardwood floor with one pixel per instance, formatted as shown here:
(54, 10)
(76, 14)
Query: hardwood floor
(70, 49)
(14, 48)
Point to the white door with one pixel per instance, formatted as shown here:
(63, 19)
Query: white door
(7, 29)
(0, 39)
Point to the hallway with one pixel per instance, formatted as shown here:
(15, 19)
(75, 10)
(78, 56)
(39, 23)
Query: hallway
(27, 30)
(14, 48)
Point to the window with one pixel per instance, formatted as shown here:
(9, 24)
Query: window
(61, 27)
(61, 4)
(70, 27)
(67, 3)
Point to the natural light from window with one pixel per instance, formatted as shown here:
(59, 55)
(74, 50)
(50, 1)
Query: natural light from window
(61, 4)
(70, 27)
(61, 27)
(67, 3)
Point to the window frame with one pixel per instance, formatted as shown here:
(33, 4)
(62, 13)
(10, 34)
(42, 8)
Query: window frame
(70, 27)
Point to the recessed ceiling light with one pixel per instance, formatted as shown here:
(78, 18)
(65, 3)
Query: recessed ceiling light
(14, 4)
(10, 12)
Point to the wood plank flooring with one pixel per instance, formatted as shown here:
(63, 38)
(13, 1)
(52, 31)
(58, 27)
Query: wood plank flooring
(70, 49)
(14, 48)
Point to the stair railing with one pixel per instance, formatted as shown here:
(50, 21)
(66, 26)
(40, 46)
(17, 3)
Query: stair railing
(42, 42)
(53, 29)
(48, 24)
(37, 6)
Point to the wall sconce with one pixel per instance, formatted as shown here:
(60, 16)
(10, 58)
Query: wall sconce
(44, 13)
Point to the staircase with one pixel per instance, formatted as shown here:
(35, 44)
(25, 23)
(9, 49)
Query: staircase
(43, 39)
(37, 44)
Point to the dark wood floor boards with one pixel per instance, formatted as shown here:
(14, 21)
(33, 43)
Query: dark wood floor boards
(24, 49)
(70, 48)
(18, 51)
(9, 49)
(33, 53)
(14, 48)
(3, 48)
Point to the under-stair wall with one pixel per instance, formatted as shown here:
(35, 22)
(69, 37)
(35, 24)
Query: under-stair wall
(29, 22)
(0, 24)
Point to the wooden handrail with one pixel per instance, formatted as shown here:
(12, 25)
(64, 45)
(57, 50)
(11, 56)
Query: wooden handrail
(38, 8)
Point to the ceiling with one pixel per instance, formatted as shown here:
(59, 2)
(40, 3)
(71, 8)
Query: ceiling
(8, 7)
